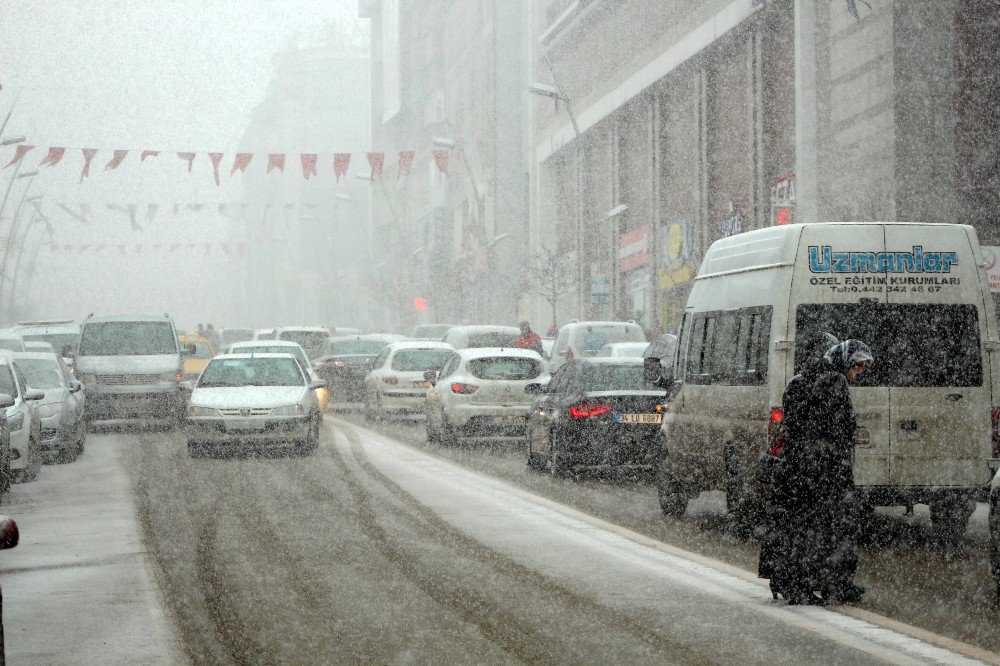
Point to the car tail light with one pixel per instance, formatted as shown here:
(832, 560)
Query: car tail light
(775, 434)
(392, 381)
(995, 431)
(463, 389)
(178, 376)
(586, 410)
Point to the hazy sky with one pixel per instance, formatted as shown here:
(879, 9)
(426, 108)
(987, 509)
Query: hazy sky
(158, 74)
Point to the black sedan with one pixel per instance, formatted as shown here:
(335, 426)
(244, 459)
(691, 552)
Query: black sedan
(346, 362)
(596, 414)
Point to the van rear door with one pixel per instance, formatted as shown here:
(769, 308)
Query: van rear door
(940, 395)
(834, 293)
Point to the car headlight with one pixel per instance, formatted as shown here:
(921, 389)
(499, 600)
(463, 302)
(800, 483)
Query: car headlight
(289, 410)
(15, 421)
(50, 409)
(194, 410)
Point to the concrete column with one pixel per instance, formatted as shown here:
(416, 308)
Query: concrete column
(806, 112)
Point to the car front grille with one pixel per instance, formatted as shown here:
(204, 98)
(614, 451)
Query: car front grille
(49, 433)
(126, 380)
(256, 411)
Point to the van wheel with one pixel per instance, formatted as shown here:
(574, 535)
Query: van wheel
(950, 514)
(673, 499)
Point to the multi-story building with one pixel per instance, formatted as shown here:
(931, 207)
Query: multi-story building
(450, 89)
(306, 240)
(699, 120)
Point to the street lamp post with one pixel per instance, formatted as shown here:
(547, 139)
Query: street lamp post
(613, 216)
(556, 92)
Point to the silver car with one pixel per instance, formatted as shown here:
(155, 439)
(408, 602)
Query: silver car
(253, 400)
(63, 430)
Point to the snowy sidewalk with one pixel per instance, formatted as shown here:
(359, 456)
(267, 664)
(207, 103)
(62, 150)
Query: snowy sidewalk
(77, 589)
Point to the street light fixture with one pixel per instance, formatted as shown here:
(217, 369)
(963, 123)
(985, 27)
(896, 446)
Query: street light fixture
(441, 142)
(546, 91)
(616, 211)
(12, 140)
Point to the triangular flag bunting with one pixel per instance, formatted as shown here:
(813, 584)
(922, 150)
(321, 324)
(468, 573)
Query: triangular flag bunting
(53, 157)
(376, 161)
(22, 150)
(216, 160)
(116, 159)
(88, 155)
(189, 158)
(148, 153)
(405, 162)
(341, 162)
(441, 160)
(276, 161)
(308, 164)
(241, 162)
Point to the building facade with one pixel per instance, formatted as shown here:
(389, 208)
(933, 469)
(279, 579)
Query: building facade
(450, 89)
(701, 120)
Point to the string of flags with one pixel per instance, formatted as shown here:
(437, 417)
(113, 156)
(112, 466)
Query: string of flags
(310, 163)
(85, 213)
(232, 250)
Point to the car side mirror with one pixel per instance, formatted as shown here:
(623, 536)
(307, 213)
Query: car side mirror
(67, 352)
(34, 394)
(9, 536)
(189, 349)
(652, 371)
(534, 389)
(6, 400)
(75, 386)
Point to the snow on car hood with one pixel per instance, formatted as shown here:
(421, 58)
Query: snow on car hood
(247, 396)
(139, 365)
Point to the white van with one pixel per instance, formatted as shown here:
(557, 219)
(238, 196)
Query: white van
(586, 338)
(474, 337)
(927, 410)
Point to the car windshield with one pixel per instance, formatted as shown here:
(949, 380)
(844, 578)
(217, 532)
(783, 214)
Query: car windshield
(274, 349)
(313, 342)
(413, 360)
(59, 341)
(41, 373)
(127, 338)
(495, 339)
(356, 347)
(914, 345)
(608, 377)
(233, 372)
(504, 367)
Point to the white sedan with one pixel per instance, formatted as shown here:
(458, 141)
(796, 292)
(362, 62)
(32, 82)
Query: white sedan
(481, 394)
(258, 400)
(396, 384)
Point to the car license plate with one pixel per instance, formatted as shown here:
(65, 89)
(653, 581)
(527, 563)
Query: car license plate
(509, 420)
(641, 418)
(243, 425)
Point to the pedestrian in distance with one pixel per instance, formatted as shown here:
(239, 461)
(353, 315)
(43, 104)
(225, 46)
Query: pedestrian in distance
(810, 544)
(528, 339)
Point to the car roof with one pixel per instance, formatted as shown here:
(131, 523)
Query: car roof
(612, 360)
(484, 328)
(579, 324)
(264, 343)
(191, 337)
(249, 356)
(101, 319)
(388, 337)
(306, 329)
(491, 352)
(47, 327)
(420, 344)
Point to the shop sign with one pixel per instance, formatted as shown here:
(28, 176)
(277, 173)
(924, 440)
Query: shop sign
(600, 285)
(783, 200)
(991, 257)
(633, 249)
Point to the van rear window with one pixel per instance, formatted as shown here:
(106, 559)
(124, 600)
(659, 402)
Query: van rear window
(914, 345)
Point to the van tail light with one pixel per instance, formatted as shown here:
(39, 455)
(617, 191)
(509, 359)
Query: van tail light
(391, 381)
(775, 434)
(463, 389)
(587, 410)
(995, 432)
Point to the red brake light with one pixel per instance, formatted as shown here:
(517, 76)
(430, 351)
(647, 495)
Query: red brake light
(775, 438)
(995, 433)
(586, 410)
(463, 389)
(392, 381)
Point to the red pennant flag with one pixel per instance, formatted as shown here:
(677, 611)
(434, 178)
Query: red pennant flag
(116, 159)
(225, 248)
(121, 248)
(22, 150)
(53, 247)
(189, 157)
(174, 247)
(99, 248)
(341, 161)
(208, 248)
(138, 248)
(68, 248)
(441, 160)
(405, 161)
(276, 161)
(88, 155)
(52, 159)
(308, 164)
(147, 153)
(241, 248)
(190, 246)
(216, 160)
(83, 248)
(241, 162)
(376, 161)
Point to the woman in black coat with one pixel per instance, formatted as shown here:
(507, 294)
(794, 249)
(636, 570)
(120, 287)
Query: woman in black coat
(814, 547)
